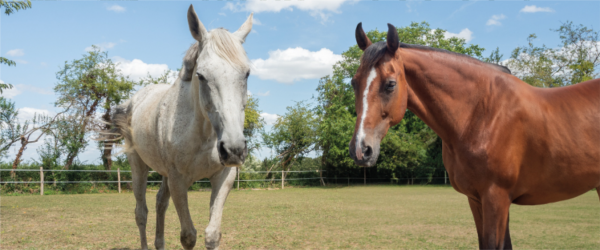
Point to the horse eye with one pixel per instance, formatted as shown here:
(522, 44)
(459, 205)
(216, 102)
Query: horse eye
(391, 85)
(201, 77)
(247, 74)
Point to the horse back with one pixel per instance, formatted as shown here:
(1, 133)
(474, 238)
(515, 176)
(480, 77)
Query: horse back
(557, 137)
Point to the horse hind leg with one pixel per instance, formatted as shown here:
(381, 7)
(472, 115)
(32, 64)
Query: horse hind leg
(139, 172)
(162, 203)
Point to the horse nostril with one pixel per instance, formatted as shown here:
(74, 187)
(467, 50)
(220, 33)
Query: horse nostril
(222, 150)
(368, 152)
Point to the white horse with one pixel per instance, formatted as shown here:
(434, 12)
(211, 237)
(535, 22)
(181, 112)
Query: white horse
(190, 130)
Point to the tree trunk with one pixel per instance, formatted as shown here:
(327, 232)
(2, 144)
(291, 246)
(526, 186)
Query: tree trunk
(19, 154)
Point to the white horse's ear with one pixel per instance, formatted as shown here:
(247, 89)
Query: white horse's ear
(243, 31)
(196, 27)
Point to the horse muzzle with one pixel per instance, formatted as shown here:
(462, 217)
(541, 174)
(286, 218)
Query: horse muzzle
(232, 154)
(365, 155)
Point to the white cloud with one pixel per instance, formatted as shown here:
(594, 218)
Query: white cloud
(29, 113)
(322, 9)
(464, 34)
(534, 9)
(20, 61)
(495, 20)
(222, 14)
(10, 93)
(116, 8)
(270, 119)
(287, 66)
(137, 69)
(263, 94)
(256, 21)
(102, 46)
(15, 52)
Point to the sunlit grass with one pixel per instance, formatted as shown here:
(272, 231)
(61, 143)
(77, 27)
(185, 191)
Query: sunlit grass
(384, 217)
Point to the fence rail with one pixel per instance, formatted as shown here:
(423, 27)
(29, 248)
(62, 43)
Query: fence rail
(337, 180)
(119, 181)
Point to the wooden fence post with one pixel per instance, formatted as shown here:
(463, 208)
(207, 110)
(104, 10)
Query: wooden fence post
(365, 175)
(282, 178)
(444, 177)
(119, 179)
(41, 181)
(238, 177)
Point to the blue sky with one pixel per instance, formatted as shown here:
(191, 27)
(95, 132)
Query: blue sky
(292, 45)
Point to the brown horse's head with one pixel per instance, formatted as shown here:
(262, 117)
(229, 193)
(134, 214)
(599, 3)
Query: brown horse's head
(380, 90)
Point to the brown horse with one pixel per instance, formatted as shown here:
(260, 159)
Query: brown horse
(504, 141)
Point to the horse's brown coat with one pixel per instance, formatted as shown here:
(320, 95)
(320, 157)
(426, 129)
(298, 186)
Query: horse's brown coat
(504, 141)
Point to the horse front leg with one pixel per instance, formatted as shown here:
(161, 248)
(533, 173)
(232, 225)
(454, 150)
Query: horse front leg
(495, 204)
(139, 173)
(162, 203)
(221, 185)
(178, 187)
(477, 211)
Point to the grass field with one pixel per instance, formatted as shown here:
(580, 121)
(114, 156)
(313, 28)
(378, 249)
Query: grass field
(372, 217)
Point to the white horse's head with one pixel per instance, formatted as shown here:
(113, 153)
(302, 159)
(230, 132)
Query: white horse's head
(220, 67)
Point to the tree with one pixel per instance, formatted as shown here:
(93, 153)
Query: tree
(40, 124)
(410, 149)
(575, 60)
(91, 84)
(10, 129)
(294, 134)
(253, 124)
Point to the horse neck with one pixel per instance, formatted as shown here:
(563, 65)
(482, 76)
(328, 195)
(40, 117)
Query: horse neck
(188, 93)
(444, 88)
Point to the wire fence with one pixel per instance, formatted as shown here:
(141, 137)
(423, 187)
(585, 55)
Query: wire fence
(112, 179)
(117, 177)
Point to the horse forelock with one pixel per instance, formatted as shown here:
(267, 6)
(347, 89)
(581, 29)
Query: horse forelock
(222, 43)
(228, 47)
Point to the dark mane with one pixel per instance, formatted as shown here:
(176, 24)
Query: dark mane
(376, 51)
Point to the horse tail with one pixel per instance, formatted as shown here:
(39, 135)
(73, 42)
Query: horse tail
(119, 128)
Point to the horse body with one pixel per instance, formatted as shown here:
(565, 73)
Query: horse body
(168, 125)
(503, 141)
(190, 130)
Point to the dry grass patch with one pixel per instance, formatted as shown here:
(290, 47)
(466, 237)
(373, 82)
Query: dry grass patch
(374, 217)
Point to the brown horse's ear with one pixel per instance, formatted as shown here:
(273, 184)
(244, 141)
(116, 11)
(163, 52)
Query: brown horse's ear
(361, 38)
(392, 39)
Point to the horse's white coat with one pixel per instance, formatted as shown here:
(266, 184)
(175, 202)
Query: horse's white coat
(361, 134)
(176, 130)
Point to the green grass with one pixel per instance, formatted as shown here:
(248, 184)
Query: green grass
(372, 217)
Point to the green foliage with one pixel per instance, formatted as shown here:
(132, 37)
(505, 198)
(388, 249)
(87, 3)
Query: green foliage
(293, 135)
(10, 129)
(253, 123)
(90, 84)
(12, 6)
(576, 60)
(410, 149)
